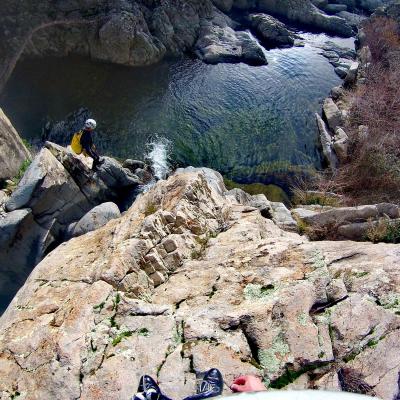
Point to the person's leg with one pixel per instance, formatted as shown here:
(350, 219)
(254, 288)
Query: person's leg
(149, 390)
(212, 385)
(96, 158)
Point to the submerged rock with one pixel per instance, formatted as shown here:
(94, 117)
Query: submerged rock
(207, 282)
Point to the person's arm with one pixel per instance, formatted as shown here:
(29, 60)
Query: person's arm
(247, 383)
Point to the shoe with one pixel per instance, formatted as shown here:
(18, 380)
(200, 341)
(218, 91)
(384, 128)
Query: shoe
(211, 386)
(147, 388)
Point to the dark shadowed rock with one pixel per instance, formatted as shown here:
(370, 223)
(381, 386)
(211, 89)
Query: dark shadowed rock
(133, 165)
(326, 143)
(115, 176)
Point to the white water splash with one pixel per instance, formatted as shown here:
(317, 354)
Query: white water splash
(158, 156)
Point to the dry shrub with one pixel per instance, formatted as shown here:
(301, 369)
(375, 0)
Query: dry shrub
(384, 230)
(382, 36)
(353, 381)
(372, 172)
(315, 189)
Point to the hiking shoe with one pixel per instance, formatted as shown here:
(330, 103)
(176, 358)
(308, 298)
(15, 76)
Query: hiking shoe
(211, 386)
(147, 389)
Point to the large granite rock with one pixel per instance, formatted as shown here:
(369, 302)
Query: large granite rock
(129, 33)
(165, 291)
(12, 150)
(96, 218)
(306, 13)
(56, 191)
(270, 31)
(138, 32)
(332, 114)
(222, 44)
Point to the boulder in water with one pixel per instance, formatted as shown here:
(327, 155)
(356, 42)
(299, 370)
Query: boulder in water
(270, 30)
(222, 44)
(55, 193)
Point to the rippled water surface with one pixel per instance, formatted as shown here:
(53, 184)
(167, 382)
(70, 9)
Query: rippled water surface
(249, 122)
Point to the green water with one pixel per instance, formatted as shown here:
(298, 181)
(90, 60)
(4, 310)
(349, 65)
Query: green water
(253, 124)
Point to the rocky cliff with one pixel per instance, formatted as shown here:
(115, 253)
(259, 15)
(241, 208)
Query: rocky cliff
(193, 277)
(58, 197)
(143, 32)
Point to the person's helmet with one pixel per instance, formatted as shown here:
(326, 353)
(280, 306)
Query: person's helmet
(90, 124)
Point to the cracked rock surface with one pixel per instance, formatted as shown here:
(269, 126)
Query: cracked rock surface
(188, 279)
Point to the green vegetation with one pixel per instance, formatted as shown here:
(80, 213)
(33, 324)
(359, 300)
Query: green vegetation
(305, 197)
(27, 144)
(271, 192)
(384, 231)
(121, 336)
(100, 306)
(21, 172)
(270, 358)
(197, 254)
(113, 324)
(291, 375)
(257, 292)
(146, 297)
(143, 332)
(302, 319)
(116, 301)
(151, 208)
(178, 334)
(391, 302)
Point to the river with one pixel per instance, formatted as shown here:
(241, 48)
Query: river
(253, 124)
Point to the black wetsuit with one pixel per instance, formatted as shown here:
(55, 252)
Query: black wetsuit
(87, 145)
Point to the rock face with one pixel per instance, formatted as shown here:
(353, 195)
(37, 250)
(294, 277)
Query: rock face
(190, 279)
(143, 32)
(56, 191)
(129, 33)
(306, 13)
(270, 30)
(12, 150)
(222, 44)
